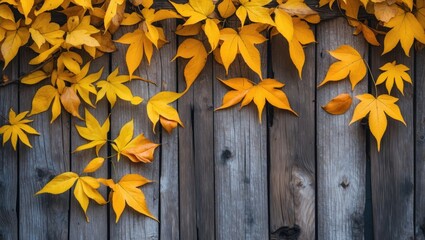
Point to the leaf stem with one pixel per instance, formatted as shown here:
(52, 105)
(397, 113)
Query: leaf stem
(373, 78)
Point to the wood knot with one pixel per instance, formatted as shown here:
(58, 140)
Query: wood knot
(226, 155)
(344, 183)
(286, 233)
(43, 174)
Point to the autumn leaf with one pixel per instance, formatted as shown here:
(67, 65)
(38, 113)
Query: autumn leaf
(126, 192)
(195, 10)
(394, 73)
(34, 77)
(368, 34)
(245, 91)
(70, 101)
(255, 11)
(243, 43)
(138, 149)
(43, 30)
(93, 132)
(339, 104)
(13, 40)
(60, 184)
(79, 32)
(351, 64)
(284, 23)
(83, 84)
(111, 11)
(377, 108)
(17, 129)
(43, 98)
(158, 107)
(420, 12)
(405, 28)
(113, 87)
(226, 8)
(194, 50)
(48, 5)
(94, 165)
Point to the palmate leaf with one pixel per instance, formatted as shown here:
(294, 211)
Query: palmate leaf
(94, 132)
(17, 129)
(394, 73)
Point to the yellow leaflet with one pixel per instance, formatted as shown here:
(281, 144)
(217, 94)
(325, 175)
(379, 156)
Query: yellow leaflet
(93, 132)
(17, 129)
(83, 84)
(34, 78)
(43, 30)
(226, 8)
(79, 32)
(195, 10)
(158, 108)
(255, 11)
(302, 36)
(94, 165)
(377, 108)
(42, 100)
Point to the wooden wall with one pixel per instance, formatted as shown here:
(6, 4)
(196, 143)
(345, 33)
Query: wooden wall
(225, 175)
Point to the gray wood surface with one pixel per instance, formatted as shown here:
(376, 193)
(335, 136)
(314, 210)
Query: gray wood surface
(240, 158)
(97, 214)
(392, 168)
(196, 156)
(292, 147)
(341, 149)
(419, 85)
(9, 207)
(133, 225)
(44, 216)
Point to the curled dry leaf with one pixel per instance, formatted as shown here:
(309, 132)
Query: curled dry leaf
(338, 105)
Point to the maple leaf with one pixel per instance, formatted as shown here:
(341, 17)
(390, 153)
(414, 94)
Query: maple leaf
(138, 149)
(255, 11)
(113, 87)
(339, 104)
(94, 164)
(93, 132)
(83, 83)
(394, 73)
(243, 43)
(43, 30)
(158, 108)
(126, 191)
(377, 108)
(405, 28)
(351, 64)
(194, 50)
(195, 10)
(17, 129)
(85, 188)
(79, 32)
(246, 92)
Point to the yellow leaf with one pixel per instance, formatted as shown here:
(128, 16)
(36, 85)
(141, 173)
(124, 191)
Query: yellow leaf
(85, 189)
(34, 77)
(94, 164)
(70, 101)
(80, 34)
(113, 87)
(377, 108)
(10, 47)
(405, 28)
(255, 11)
(83, 83)
(139, 149)
(339, 104)
(26, 8)
(86, 4)
(48, 5)
(351, 64)
(44, 55)
(242, 42)
(71, 61)
(17, 129)
(194, 50)
(158, 107)
(60, 183)
(195, 10)
(189, 30)
(368, 34)
(6, 13)
(93, 132)
(264, 91)
(284, 23)
(43, 30)
(126, 191)
(297, 8)
(42, 100)
(111, 12)
(394, 73)
(385, 12)
(226, 8)
(212, 32)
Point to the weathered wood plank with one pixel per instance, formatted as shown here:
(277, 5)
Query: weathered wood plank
(292, 146)
(98, 215)
(196, 156)
(392, 168)
(169, 191)
(240, 156)
(9, 98)
(341, 149)
(44, 216)
(419, 84)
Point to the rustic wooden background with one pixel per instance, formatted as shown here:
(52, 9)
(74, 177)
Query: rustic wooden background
(225, 175)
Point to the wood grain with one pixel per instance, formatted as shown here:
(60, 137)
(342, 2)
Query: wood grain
(44, 216)
(133, 225)
(419, 85)
(341, 149)
(196, 156)
(392, 168)
(97, 214)
(292, 146)
(9, 98)
(240, 158)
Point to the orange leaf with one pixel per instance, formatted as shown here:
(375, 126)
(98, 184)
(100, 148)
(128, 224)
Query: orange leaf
(338, 105)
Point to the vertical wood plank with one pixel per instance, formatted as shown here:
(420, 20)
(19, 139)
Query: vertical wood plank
(292, 146)
(196, 156)
(341, 149)
(240, 156)
(9, 97)
(392, 168)
(98, 215)
(419, 85)
(45, 216)
(169, 179)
